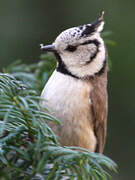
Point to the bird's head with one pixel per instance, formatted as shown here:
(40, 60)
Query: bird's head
(80, 50)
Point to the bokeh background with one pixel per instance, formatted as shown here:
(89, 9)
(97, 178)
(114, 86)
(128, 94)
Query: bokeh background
(26, 24)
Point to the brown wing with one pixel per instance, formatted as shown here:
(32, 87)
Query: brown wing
(99, 110)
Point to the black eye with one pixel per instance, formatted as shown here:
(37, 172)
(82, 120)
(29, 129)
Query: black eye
(71, 48)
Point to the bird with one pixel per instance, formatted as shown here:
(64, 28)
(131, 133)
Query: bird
(76, 92)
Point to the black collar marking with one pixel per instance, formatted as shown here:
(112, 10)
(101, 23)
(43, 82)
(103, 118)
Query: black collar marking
(62, 67)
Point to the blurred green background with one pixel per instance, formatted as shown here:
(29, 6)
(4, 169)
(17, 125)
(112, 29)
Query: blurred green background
(26, 24)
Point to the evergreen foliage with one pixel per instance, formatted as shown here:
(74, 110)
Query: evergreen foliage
(28, 147)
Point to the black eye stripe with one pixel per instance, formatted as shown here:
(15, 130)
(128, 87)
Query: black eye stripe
(71, 48)
(94, 41)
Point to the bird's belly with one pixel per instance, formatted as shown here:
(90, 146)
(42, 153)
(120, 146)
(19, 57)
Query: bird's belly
(68, 100)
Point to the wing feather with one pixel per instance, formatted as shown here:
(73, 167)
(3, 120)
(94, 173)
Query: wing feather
(99, 108)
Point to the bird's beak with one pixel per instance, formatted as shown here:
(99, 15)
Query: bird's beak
(50, 48)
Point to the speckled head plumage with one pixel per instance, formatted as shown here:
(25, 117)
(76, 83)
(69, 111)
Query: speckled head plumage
(80, 50)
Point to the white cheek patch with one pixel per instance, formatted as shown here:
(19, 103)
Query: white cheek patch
(85, 55)
(87, 60)
(81, 56)
(78, 66)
